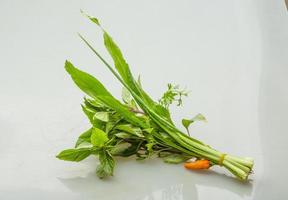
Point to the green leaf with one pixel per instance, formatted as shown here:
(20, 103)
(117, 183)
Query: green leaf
(94, 104)
(133, 149)
(102, 116)
(75, 155)
(114, 119)
(87, 83)
(98, 137)
(187, 122)
(120, 148)
(92, 87)
(119, 62)
(84, 137)
(126, 96)
(175, 158)
(130, 129)
(164, 112)
(123, 135)
(90, 113)
(93, 19)
(106, 166)
(123, 68)
(149, 147)
(149, 130)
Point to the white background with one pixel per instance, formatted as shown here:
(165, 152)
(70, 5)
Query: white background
(231, 55)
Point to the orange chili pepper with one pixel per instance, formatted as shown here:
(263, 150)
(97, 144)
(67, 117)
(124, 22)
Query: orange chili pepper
(197, 165)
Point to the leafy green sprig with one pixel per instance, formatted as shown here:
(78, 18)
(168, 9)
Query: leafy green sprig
(137, 126)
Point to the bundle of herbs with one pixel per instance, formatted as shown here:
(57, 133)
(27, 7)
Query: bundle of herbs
(138, 125)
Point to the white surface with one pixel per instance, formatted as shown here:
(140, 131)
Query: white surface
(231, 54)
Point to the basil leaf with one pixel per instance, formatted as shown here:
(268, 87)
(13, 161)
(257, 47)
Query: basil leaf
(94, 104)
(84, 137)
(102, 116)
(120, 148)
(123, 135)
(106, 166)
(75, 155)
(98, 137)
(131, 150)
(90, 113)
(130, 129)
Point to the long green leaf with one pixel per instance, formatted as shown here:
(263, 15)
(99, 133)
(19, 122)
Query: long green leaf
(92, 87)
(75, 155)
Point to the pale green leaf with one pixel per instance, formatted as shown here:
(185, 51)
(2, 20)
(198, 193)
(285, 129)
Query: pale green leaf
(123, 135)
(106, 166)
(90, 113)
(118, 149)
(84, 137)
(75, 155)
(126, 96)
(98, 137)
(175, 158)
(102, 116)
(130, 129)
(187, 122)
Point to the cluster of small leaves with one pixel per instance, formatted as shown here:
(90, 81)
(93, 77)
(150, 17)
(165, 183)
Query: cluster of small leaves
(111, 135)
(173, 94)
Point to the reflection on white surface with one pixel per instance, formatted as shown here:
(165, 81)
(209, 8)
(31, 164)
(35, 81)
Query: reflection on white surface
(156, 181)
(174, 192)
